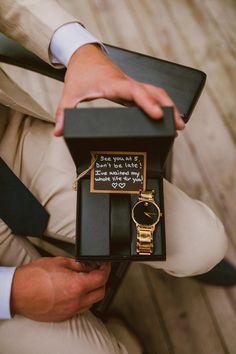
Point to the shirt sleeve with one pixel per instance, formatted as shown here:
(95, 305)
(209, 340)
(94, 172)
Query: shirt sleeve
(6, 277)
(67, 39)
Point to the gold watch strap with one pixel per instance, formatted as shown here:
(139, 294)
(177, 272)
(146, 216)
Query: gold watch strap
(144, 241)
(146, 195)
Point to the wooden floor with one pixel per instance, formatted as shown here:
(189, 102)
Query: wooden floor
(171, 315)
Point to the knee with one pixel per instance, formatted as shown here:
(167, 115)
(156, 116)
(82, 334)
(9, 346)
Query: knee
(205, 247)
(214, 243)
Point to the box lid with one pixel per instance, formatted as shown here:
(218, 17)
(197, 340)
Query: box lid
(118, 129)
(182, 83)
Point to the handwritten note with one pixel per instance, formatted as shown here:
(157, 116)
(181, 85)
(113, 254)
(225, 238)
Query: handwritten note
(118, 172)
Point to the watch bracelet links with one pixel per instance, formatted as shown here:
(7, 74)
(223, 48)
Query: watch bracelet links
(147, 195)
(145, 241)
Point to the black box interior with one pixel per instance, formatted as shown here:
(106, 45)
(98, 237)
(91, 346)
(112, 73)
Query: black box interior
(105, 229)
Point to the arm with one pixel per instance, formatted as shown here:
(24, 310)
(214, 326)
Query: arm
(90, 73)
(32, 23)
(55, 289)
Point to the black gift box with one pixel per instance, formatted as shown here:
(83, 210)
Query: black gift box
(105, 229)
(184, 85)
(104, 226)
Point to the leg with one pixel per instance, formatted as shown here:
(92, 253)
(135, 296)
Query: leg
(82, 334)
(45, 166)
(29, 141)
(195, 237)
(224, 273)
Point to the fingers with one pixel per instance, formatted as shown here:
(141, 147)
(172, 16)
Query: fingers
(93, 297)
(59, 122)
(96, 278)
(125, 90)
(65, 102)
(93, 286)
(151, 99)
(147, 102)
(70, 264)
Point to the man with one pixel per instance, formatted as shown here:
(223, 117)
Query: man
(48, 298)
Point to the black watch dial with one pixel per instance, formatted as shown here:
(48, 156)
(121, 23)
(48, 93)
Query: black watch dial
(146, 213)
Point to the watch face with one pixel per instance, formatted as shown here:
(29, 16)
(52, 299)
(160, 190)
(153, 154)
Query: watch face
(146, 213)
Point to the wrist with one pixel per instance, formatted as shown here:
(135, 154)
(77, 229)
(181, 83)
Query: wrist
(32, 294)
(17, 291)
(91, 50)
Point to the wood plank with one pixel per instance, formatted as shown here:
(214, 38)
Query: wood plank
(118, 25)
(135, 303)
(185, 313)
(209, 52)
(223, 312)
(157, 32)
(223, 15)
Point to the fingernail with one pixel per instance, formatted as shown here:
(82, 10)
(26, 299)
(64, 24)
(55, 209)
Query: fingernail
(58, 124)
(181, 124)
(58, 127)
(158, 111)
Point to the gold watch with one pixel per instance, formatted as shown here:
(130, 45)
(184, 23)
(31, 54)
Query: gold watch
(146, 215)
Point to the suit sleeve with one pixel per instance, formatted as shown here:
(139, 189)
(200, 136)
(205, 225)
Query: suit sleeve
(33, 23)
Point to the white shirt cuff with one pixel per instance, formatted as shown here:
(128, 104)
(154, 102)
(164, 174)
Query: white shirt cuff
(67, 39)
(6, 277)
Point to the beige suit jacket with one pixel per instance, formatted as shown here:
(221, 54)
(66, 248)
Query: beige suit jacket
(31, 23)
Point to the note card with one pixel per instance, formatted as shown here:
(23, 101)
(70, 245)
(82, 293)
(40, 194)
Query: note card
(118, 172)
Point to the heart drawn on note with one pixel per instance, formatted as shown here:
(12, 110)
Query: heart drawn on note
(122, 185)
(114, 185)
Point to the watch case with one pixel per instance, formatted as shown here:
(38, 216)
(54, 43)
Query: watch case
(105, 229)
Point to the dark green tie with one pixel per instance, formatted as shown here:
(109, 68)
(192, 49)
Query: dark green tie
(19, 209)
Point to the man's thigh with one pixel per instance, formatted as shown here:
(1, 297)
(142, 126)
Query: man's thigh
(82, 334)
(45, 166)
(195, 237)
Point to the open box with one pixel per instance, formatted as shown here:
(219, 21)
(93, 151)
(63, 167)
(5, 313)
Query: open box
(105, 230)
(100, 234)
(184, 85)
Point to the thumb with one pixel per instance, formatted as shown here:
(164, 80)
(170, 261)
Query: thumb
(65, 102)
(73, 265)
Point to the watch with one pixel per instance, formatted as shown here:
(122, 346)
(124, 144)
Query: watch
(146, 215)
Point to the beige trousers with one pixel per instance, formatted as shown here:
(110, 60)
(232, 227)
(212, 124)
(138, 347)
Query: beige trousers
(195, 237)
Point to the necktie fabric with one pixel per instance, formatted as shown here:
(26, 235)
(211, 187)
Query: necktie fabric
(19, 209)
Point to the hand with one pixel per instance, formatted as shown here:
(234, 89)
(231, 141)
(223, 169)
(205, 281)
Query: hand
(91, 75)
(55, 289)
